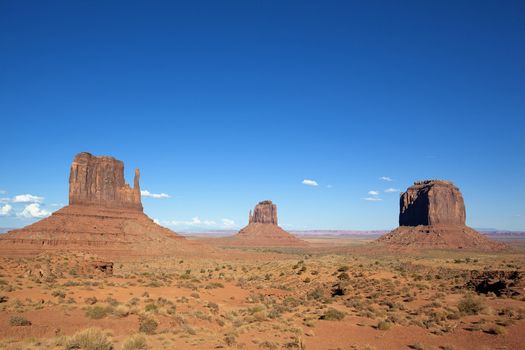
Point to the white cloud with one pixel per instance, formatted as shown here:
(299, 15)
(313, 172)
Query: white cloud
(373, 193)
(147, 193)
(309, 182)
(386, 178)
(392, 190)
(196, 221)
(5, 200)
(33, 210)
(27, 198)
(6, 210)
(372, 199)
(3, 191)
(228, 222)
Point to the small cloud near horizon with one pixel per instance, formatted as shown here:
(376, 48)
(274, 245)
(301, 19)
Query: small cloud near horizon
(146, 193)
(386, 178)
(372, 199)
(27, 198)
(308, 182)
(6, 210)
(392, 190)
(373, 193)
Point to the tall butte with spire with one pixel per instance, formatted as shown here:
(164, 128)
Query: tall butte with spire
(432, 215)
(104, 216)
(263, 230)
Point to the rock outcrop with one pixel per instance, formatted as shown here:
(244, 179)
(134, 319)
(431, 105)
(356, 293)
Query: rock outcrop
(263, 231)
(432, 215)
(432, 202)
(265, 212)
(99, 181)
(104, 217)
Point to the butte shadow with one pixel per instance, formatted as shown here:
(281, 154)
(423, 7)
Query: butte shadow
(104, 217)
(432, 215)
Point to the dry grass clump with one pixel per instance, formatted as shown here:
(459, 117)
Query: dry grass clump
(19, 321)
(470, 305)
(332, 315)
(147, 325)
(135, 342)
(89, 339)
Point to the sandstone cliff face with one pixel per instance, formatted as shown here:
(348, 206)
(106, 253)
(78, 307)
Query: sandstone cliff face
(432, 202)
(99, 181)
(265, 212)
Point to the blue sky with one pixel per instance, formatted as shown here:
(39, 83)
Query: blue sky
(222, 104)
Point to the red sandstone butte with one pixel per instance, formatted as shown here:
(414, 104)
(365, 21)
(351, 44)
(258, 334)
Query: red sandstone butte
(263, 231)
(432, 215)
(104, 216)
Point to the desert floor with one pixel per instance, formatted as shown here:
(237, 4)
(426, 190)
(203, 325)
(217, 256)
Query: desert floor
(336, 294)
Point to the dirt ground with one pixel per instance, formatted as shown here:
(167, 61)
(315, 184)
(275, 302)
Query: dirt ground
(339, 293)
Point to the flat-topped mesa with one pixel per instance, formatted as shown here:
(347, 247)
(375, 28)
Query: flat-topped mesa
(99, 181)
(432, 203)
(265, 212)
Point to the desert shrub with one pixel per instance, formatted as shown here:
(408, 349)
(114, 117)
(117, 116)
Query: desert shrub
(135, 342)
(19, 321)
(214, 285)
(470, 306)
(151, 308)
(147, 325)
(112, 301)
(58, 294)
(316, 293)
(343, 276)
(230, 339)
(120, 311)
(214, 307)
(91, 300)
(98, 312)
(497, 330)
(333, 315)
(384, 325)
(89, 339)
(268, 345)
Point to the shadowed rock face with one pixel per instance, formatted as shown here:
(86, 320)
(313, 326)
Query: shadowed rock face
(99, 181)
(265, 212)
(432, 202)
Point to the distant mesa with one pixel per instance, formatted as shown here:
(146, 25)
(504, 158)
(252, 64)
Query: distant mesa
(104, 216)
(432, 215)
(263, 231)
